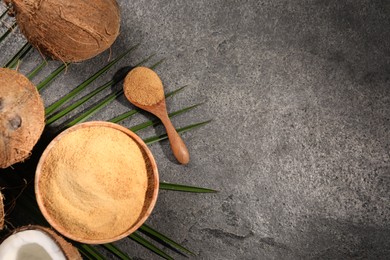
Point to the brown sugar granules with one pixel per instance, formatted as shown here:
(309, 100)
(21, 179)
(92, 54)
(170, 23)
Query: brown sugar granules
(94, 182)
(143, 86)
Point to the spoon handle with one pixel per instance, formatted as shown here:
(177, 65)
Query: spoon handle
(178, 147)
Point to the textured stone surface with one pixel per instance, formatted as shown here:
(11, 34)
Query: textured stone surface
(299, 145)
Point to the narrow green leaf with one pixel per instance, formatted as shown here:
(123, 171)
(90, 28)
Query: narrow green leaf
(19, 55)
(6, 33)
(145, 243)
(44, 83)
(184, 188)
(154, 66)
(85, 253)
(114, 250)
(147, 230)
(4, 13)
(53, 107)
(83, 117)
(81, 101)
(78, 103)
(172, 93)
(144, 125)
(92, 251)
(123, 116)
(36, 70)
(144, 60)
(136, 110)
(158, 138)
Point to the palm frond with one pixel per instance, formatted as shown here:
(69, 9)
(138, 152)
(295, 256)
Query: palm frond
(116, 251)
(78, 103)
(172, 93)
(19, 55)
(134, 111)
(92, 251)
(36, 70)
(184, 188)
(159, 138)
(144, 125)
(93, 110)
(154, 234)
(7, 32)
(53, 107)
(85, 254)
(147, 244)
(96, 108)
(156, 64)
(71, 107)
(4, 13)
(124, 116)
(53, 75)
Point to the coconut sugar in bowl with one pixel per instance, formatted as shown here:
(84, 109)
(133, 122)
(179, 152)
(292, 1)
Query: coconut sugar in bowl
(96, 182)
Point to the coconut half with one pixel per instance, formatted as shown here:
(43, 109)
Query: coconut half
(37, 243)
(69, 31)
(22, 117)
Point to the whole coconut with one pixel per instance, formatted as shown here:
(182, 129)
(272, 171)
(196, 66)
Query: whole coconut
(22, 117)
(69, 31)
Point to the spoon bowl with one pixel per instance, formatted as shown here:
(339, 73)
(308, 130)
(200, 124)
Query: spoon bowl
(144, 89)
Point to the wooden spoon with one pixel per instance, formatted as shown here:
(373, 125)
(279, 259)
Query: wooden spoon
(144, 89)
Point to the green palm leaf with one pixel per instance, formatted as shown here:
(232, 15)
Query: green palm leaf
(91, 251)
(85, 253)
(144, 125)
(184, 188)
(103, 103)
(36, 70)
(6, 33)
(158, 138)
(44, 83)
(19, 55)
(145, 243)
(132, 112)
(78, 103)
(114, 250)
(84, 117)
(50, 109)
(154, 234)
(4, 13)
(124, 116)
(89, 96)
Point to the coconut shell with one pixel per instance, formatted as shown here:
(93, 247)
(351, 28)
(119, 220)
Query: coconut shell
(69, 31)
(69, 251)
(22, 117)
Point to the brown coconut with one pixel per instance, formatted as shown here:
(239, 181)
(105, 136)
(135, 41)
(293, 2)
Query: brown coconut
(22, 117)
(69, 31)
(31, 245)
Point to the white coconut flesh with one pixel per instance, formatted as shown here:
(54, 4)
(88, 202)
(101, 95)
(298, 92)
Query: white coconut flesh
(30, 245)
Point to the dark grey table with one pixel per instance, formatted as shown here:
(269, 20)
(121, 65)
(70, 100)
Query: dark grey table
(299, 145)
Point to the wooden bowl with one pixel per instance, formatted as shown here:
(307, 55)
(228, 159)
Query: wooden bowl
(45, 203)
